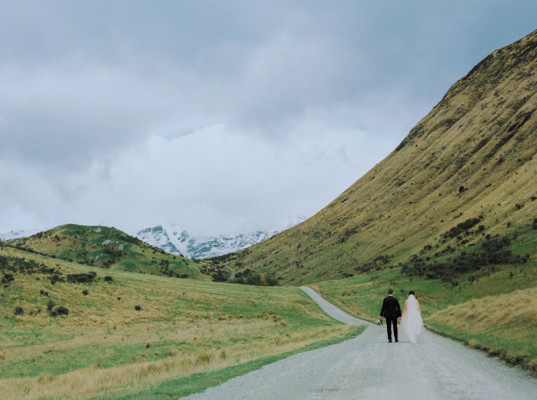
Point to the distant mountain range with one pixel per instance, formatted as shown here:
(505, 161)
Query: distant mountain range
(177, 240)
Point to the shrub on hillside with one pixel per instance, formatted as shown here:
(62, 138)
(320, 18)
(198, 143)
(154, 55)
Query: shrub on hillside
(7, 278)
(50, 305)
(247, 277)
(61, 310)
(82, 278)
(493, 252)
(56, 278)
(462, 228)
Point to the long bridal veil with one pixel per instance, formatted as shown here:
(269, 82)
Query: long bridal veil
(412, 322)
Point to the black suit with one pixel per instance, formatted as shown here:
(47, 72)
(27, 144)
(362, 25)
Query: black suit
(391, 310)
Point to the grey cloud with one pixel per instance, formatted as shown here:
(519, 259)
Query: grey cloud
(86, 87)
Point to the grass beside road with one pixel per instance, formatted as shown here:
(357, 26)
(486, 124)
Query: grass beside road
(194, 383)
(503, 325)
(494, 311)
(104, 347)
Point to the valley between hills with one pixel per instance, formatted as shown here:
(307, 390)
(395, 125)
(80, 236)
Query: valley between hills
(91, 312)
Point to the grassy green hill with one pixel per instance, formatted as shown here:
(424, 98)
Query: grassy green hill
(139, 335)
(106, 247)
(464, 175)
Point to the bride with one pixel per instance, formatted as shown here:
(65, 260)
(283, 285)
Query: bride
(411, 320)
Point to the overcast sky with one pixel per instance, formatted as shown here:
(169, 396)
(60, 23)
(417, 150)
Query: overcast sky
(220, 116)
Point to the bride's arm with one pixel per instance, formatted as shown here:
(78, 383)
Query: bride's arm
(418, 304)
(406, 301)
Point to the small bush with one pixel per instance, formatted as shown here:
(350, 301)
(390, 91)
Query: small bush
(50, 305)
(82, 278)
(7, 278)
(56, 278)
(138, 308)
(19, 311)
(61, 310)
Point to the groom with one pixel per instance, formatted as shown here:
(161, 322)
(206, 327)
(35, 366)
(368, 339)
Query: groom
(391, 310)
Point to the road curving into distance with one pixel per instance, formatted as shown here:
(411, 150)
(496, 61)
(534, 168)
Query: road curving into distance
(368, 367)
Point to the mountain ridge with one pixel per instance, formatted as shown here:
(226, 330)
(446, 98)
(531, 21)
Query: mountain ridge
(177, 240)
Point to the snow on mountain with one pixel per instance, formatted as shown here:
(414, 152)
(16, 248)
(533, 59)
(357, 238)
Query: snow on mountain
(177, 240)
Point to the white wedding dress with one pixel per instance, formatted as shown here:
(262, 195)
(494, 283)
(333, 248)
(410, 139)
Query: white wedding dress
(411, 321)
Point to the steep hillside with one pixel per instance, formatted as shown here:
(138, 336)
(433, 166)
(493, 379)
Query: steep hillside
(464, 175)
(105, 247)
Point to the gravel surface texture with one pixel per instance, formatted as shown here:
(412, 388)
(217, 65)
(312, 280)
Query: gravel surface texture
(368, 367)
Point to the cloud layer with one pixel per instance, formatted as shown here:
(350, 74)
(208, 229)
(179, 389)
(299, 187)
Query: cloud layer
(222, 116)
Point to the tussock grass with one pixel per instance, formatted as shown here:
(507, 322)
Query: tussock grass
(104, 346)
(503, 325)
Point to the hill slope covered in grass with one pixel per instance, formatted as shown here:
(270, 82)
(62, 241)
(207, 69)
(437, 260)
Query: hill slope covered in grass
(464, 175)
(106, 247)
(123, 333)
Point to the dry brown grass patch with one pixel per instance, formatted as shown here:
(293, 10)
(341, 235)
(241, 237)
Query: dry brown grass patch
(516, 308)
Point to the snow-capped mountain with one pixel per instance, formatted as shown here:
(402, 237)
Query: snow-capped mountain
(174, 239)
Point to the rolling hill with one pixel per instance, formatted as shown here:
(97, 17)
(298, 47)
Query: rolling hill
(105, 247)
(461, 184)
(120, 334)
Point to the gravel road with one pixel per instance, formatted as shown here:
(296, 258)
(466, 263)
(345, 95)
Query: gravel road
(368, 367)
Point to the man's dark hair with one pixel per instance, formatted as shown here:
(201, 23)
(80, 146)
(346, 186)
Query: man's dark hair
(390, 291)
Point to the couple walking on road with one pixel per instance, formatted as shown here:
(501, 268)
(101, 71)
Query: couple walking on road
(411, 318)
